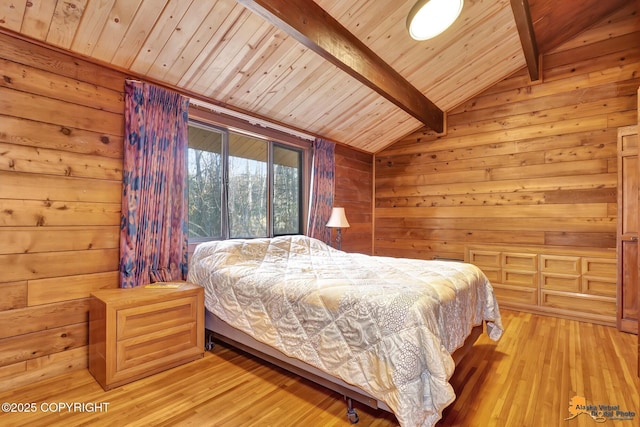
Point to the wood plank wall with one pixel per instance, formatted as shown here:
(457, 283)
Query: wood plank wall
(354, 192)
(523, 163)
(61, 140)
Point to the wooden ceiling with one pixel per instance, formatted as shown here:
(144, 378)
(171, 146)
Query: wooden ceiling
(234, 54)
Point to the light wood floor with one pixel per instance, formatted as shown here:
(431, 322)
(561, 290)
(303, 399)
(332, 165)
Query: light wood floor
(526, 379)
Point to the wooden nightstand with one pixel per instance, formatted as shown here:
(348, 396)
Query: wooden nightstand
(134, 333)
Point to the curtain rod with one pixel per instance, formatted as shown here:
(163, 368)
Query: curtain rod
(252, 120)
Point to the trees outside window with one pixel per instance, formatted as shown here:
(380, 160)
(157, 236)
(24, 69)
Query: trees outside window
(287, 190)
(205, 183)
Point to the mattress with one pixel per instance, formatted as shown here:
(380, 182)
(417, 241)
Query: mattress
(386, 325)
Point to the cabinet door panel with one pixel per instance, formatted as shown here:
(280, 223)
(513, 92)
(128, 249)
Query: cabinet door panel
(629, 282)
(629, 195)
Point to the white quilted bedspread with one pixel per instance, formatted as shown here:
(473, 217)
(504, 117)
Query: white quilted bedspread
(385, 325)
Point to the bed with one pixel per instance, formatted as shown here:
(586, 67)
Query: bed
(383, 330)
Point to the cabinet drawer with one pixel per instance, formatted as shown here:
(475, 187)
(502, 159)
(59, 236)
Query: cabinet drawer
(493, 274)
(135, 321)
(527, 279)
(484, 258)
(519, 261)
(512, 294)
(598, 286)
(599, 267)
(560, 264)
(156, 349)
(561, 282)
(594, 305)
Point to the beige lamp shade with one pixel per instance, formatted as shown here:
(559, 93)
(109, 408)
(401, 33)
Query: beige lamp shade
(338, 219)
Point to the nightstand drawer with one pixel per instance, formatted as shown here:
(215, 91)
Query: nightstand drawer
(156, 349)
(155, 317)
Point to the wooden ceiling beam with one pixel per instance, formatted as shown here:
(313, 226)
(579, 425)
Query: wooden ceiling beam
(312, 26)
(524, 23)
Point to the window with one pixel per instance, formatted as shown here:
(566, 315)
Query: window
(242, 185)
(205, 182)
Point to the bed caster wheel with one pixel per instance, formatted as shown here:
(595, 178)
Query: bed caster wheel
(208, 340)
(352, 416)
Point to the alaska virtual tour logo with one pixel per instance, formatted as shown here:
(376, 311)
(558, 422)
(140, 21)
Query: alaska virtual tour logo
(599, 413)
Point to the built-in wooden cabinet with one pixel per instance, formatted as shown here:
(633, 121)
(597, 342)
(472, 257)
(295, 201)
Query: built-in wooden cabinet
(576, 283)
(627, 235)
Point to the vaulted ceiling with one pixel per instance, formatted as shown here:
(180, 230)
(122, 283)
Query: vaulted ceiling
(352, 75)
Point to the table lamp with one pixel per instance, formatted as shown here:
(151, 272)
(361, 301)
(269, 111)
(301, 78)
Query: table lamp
(338, 220)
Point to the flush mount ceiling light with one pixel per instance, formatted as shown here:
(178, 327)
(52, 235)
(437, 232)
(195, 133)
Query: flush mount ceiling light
(428, 18)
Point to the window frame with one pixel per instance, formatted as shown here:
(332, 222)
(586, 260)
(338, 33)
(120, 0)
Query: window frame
(273, 138)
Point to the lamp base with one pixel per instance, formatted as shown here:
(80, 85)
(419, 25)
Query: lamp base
(339, 239)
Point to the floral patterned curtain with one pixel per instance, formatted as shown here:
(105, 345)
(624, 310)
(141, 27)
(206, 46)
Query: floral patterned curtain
(322, 190)
(153, 226)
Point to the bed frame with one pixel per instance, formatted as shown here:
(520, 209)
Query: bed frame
(217, 329)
